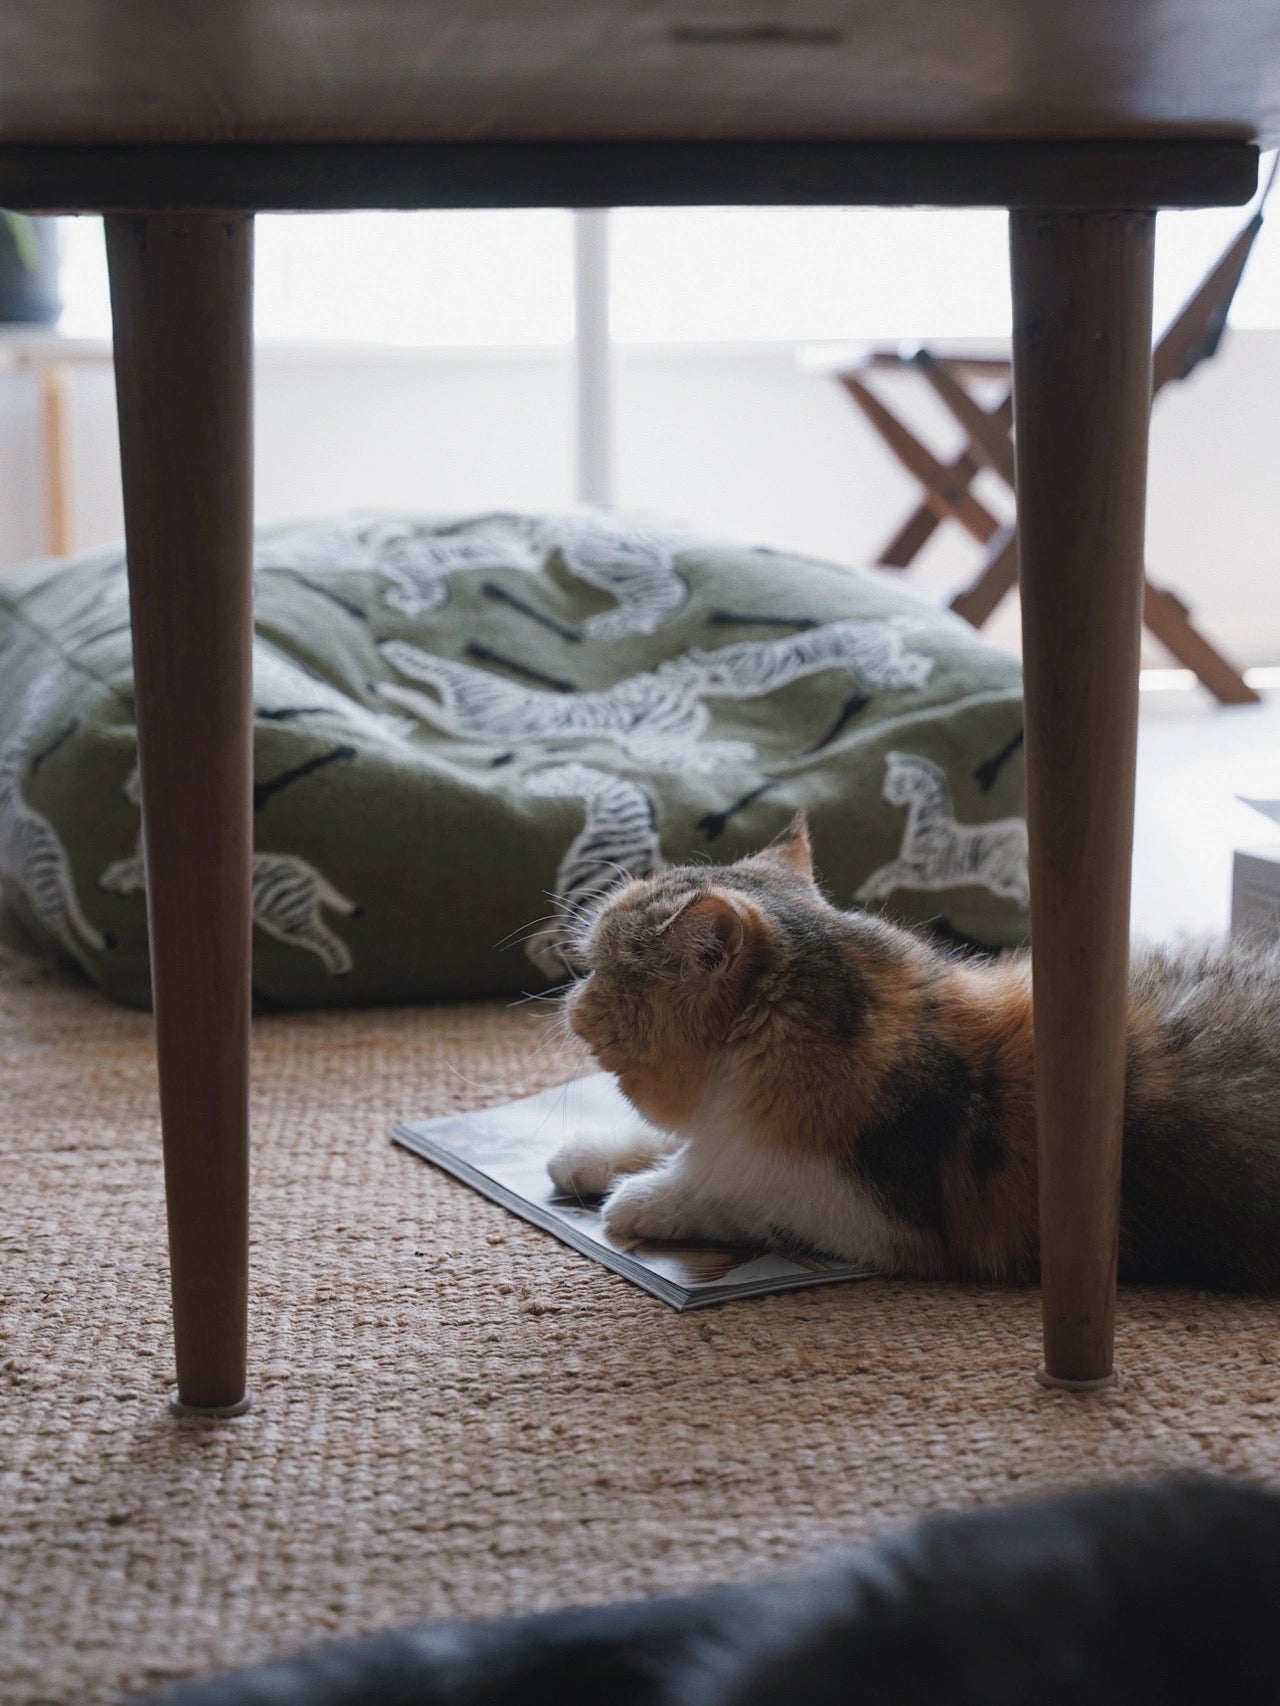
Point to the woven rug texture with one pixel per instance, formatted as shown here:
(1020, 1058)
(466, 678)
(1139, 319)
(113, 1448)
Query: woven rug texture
(453, 1414)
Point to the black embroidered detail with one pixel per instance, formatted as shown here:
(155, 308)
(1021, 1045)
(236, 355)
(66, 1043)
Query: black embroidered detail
(848, 711)
(290, 713)
(714, 824)
(486, 654)
(263, 791)
(737, 619)
(492, 589)
(60, 739)
(988, 771)
(322, 591)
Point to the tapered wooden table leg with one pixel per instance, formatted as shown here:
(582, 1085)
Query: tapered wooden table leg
(1082, 398)
(181, 298)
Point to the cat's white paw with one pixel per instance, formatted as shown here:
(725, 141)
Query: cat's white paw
(588, 1163)
(660, 1205)
(584, 1167)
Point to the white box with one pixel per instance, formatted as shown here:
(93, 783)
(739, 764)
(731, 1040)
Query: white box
(1255, 882)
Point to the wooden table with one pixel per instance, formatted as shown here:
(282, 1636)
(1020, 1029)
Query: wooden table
(179, 122)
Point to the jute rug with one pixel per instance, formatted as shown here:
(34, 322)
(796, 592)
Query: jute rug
(454, 1414)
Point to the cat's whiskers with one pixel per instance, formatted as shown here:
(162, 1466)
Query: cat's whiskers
(582, 906)
(473, 1082)
(580, 909)
(535, 995)
(499, 1085)
(559, 1033)
(624, 875)
(523, 931)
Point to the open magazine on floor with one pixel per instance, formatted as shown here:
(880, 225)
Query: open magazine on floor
(503, 1152)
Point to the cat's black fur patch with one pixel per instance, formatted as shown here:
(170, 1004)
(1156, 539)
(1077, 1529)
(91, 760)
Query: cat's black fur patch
(1165, 1232)
(987, 1149)
(930, 1109)
(820, 978)
(844, 1004)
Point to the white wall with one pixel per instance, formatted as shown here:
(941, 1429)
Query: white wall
(741, 440)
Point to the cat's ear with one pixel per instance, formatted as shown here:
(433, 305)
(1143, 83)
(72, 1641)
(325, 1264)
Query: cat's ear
(793, 846)
(704, 936)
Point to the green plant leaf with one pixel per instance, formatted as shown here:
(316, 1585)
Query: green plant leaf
(23, 233)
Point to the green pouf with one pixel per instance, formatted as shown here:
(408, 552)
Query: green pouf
(464, 726)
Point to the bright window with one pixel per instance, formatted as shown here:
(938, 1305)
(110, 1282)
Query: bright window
(747, 274)
(382, 278)
(684, 275)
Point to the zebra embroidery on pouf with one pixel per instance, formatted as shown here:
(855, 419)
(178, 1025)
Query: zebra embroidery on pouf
(619, 839)
(939, 853)
(288, 896)
(634, 564)
(283, 691)
(870, 648)
(32, 856)
(654, 721)
(657, 719)
(415, 561)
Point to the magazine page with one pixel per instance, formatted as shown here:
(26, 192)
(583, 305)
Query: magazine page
(503, 1152)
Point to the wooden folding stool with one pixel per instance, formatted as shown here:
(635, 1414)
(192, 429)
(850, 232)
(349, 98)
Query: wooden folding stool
(1193, 336)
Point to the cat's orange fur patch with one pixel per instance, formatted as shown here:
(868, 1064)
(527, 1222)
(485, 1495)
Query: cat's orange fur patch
(991, 1020)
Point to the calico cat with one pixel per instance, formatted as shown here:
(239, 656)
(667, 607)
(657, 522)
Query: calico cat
(825, 1079)
(1137, 1596)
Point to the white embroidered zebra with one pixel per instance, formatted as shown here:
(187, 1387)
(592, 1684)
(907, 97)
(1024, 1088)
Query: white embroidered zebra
(656, 722)
(657, 718)
(870, 648)
(939, 853)
(280, 685)
(415, 559)
(619, 839)
(634, 563)
(32, 856)
(288, 895)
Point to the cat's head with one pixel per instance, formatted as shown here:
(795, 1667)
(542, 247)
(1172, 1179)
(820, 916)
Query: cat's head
(680, 963)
